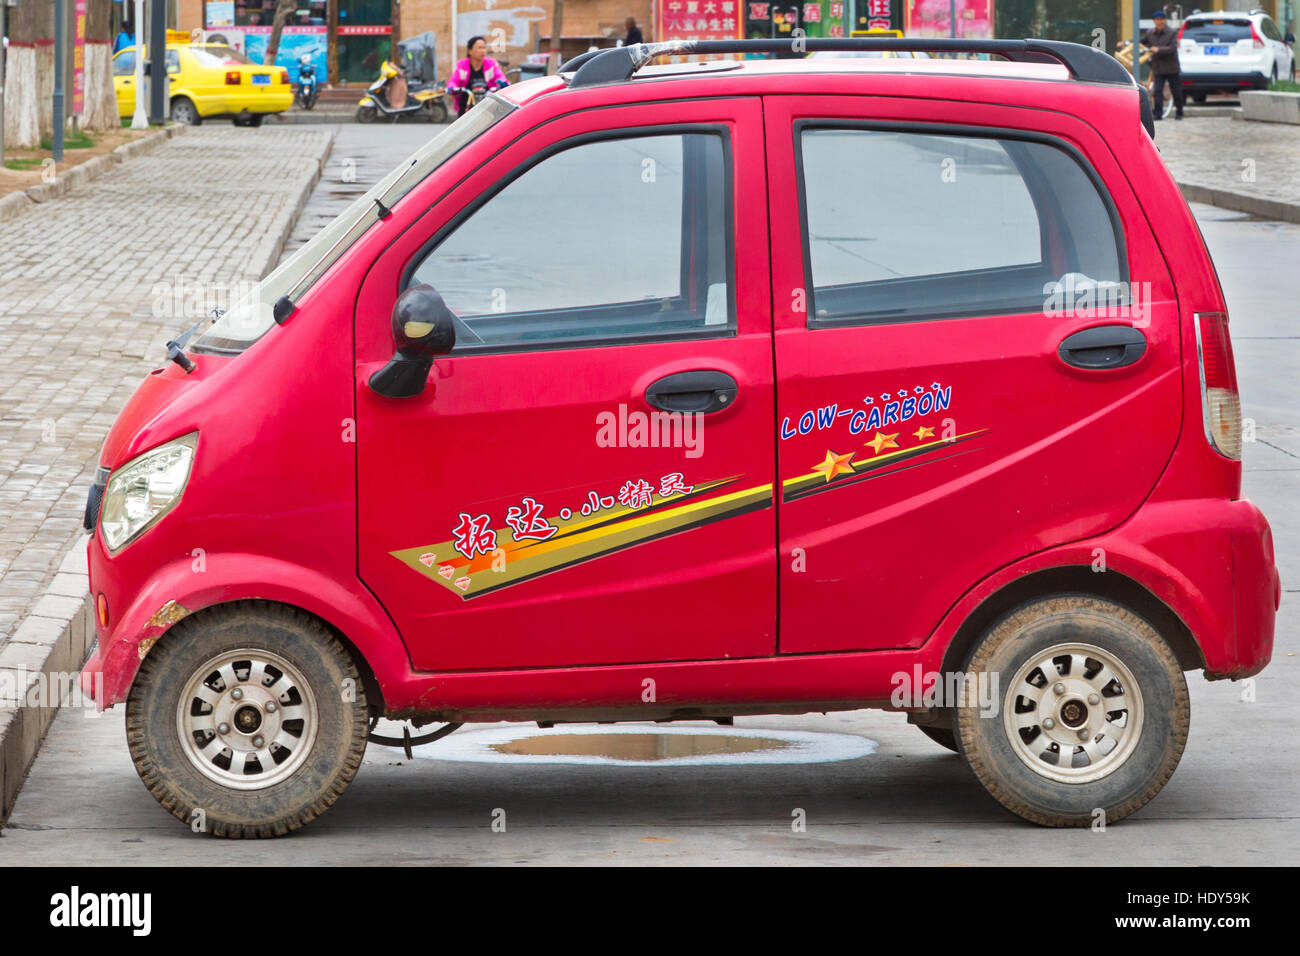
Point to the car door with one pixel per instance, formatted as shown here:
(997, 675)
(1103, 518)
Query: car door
(124, 81)
(938, 414)
(588, 477)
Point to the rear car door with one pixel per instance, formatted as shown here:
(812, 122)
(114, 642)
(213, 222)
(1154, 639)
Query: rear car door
(938, 413)
(587, 478)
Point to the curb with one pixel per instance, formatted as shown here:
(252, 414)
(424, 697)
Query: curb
(40, 664)
(1257, 206)
(15, 204)
(275, 246)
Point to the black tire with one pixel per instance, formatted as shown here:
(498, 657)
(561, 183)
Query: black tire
(943, 736)
(321, 772)
(367, 114)
(1199, 98)
(1145, 756)
(437, 111)
(184, 111)
(255, 120)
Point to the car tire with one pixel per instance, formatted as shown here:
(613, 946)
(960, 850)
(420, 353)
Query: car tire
(309, 723)
(1113, 677)
(367, 114)
(1199, 98)
(255, 120)
(184, 111)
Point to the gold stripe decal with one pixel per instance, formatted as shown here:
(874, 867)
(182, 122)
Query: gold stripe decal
(481, 558)
(836, 470)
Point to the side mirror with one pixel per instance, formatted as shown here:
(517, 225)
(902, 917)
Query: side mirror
(1290, 38)
(423, 327)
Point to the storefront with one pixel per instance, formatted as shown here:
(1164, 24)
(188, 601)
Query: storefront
(363, 34)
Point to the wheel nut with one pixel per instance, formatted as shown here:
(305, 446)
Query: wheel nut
(259, 741)
(1049, 723)
(1084, 733)
(223, 728)
(237, 694)
(270, 707)
(1058, 689)
(1094, 699)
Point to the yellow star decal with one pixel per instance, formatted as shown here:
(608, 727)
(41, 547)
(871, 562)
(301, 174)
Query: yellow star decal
(925, 431)
(834, 465)
(882, 441)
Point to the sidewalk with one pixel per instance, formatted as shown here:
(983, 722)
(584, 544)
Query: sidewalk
(1237, 164)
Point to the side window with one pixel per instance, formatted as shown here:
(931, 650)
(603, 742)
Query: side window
(124, 63)
(606, 241)
(173, 61)
(946, 226)
(1269, 29)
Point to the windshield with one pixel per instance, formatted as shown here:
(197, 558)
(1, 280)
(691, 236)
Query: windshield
(249, 318)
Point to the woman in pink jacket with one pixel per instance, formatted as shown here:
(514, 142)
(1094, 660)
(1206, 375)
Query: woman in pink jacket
(476, 72)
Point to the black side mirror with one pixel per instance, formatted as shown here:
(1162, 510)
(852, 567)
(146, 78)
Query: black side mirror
(423, 327)
(1290, 38)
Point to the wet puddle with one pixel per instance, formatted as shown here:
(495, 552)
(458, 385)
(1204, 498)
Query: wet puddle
(638, 747)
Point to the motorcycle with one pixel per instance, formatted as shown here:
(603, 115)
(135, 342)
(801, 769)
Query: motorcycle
(410, 100)
(308, 89)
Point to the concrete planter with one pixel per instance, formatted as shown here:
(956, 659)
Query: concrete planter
(1267, 107)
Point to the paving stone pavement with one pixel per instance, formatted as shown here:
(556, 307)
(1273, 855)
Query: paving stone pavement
(88, 296)
(1255, 159)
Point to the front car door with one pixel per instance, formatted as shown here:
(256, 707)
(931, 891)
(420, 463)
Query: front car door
(533, 507)
(931, 429)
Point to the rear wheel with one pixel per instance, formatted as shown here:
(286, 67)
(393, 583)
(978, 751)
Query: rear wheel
(1092, 712)
(437, 111)
(367, 114)
(1198, 98)
(249, 119)
(184, 111)
(248, 721)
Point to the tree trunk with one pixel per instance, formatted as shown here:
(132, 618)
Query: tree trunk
(100, 108)
(22, 110)
(282, 11)
(44, 10)
(557, 29)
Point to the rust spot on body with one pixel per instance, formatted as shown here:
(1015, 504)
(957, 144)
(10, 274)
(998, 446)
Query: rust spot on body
(167, 615)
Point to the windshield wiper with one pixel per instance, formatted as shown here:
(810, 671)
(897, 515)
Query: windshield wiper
(176, 347)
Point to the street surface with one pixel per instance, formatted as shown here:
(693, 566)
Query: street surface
(874, 791)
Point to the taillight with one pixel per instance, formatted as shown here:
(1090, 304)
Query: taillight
(1220, 402)
(232, 77)
(284, 76)
(1259, 42)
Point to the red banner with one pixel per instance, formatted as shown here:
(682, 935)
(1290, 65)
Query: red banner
(699, 20)
(78, 58)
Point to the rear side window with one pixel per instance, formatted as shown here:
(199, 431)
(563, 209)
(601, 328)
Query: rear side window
(1217, 31)
(647, 258)
(931, 225)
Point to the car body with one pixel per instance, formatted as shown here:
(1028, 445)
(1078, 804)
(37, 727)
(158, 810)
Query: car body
(209, 80)
(763, 440)
(1223, 52)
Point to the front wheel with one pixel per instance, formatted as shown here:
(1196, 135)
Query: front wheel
(437, 111)
(248, 721)
(367, 114)
(1087, 714)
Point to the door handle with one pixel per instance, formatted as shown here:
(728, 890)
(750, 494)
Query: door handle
(1103, 347)
(696, 392)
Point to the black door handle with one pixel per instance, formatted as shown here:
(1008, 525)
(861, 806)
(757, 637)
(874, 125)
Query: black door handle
(696, 392)
(1106, 346)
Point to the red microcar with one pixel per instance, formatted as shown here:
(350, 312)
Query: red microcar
(684, 390)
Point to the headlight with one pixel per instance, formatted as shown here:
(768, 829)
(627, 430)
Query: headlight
(144, 489)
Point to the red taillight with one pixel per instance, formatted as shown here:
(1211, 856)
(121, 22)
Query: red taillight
(1259, 42)
(232, 77)
(1220, 400)
(284, 76)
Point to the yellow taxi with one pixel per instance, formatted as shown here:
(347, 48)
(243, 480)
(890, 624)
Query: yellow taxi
(209, 80)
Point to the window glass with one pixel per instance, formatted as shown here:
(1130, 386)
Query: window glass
(639, 251)
(945, 225)
(1217, 31)
(124, 63)
(218, 56)
(173, 61)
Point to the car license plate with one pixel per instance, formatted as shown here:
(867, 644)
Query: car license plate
(1216, 51)
(264, 79)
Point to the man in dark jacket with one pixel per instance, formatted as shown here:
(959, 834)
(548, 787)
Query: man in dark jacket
(1164, 64)
(633, 32)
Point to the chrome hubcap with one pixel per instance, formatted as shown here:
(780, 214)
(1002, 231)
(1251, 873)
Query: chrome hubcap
(247, 719)
(1073, 713)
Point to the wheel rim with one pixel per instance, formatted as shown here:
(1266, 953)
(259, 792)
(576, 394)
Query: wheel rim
(1073, 713)
(184, 112)
(247, 719)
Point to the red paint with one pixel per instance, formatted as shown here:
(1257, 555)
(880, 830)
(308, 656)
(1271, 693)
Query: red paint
(1065, 462)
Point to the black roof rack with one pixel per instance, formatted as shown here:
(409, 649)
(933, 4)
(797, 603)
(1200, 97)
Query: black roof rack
(621, 63)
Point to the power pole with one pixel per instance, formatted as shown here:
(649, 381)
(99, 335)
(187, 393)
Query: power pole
(157, 61)
(4, 11)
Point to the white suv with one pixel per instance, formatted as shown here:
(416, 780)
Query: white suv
(1224, 52)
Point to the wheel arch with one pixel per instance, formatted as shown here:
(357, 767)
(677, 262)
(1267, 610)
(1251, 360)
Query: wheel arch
(1074, 579)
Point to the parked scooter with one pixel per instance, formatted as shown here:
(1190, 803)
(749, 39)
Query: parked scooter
(411, 101)
(308, 89)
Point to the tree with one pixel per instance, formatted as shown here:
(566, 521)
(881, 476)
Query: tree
(283, 9)
(22, 103)
(557, 26)
(99, 111)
